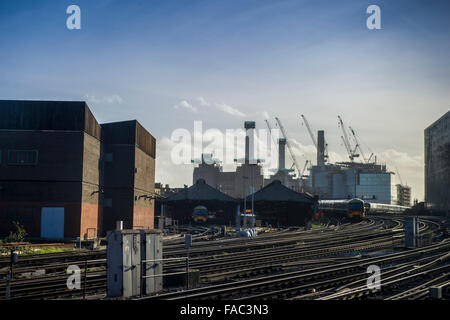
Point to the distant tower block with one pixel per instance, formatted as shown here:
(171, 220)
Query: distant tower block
(281, 153)
(249, 140)
(320, 148)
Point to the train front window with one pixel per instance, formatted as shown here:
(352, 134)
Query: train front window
(356, 206)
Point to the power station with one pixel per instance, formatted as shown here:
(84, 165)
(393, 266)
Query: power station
(366, 180)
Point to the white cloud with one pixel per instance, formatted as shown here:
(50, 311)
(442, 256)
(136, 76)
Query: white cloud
(201, 102)
(111, 99)
(408, 169)
(229, 109)
(186, 105)
(176, 175)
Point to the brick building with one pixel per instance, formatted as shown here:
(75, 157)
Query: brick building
(63, 175)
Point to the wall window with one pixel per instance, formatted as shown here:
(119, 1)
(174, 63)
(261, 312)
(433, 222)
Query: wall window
(22, 157)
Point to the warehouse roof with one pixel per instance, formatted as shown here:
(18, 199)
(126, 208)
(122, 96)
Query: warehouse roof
(200, 191)
(276, 191)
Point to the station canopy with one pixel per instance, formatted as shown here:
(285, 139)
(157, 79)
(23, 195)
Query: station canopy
(277, 192)
(200, 191)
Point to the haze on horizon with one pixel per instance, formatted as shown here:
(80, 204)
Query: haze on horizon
(169, 63)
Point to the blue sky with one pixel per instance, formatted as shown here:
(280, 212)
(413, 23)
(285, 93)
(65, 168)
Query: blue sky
(140, 59)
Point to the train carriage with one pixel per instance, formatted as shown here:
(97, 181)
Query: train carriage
(356, 209)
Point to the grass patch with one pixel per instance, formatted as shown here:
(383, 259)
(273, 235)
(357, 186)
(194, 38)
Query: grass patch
(51, 250)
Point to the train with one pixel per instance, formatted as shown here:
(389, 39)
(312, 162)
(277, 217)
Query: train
(356, 209)
(200, 214)
(382, 208)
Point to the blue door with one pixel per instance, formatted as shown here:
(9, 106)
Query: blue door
(52, 223)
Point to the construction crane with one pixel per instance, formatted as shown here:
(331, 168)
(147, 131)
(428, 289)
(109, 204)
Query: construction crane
(270, 131)
(313, 137)
(351, 152)
(358, 145)
(311, 133)
(288, 143)
(398, 173)
(304, 168)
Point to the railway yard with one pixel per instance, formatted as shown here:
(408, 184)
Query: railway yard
(327, 262)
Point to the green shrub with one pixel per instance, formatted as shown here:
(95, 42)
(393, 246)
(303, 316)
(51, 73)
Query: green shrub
(20, 233)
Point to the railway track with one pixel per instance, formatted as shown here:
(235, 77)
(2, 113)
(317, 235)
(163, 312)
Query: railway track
(291, 283)
(241, 258)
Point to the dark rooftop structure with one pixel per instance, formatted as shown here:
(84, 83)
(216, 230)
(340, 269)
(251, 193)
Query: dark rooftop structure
(277, 192)
(277, 205)
(200, 191)
(180, 206)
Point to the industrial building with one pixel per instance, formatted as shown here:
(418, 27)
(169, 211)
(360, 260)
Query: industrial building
(283, 174)
(437, 164)
(63, 175)
(344, 180)
(236, 184)
(403, 195)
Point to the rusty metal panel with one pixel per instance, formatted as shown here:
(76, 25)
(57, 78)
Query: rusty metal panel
(145, 141)
(91, 125)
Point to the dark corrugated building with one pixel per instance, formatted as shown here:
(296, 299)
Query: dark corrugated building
(437, 165)
(279, 205)
(63, 175)
(180, 206)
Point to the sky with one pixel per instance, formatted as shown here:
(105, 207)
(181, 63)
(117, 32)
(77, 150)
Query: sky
(168, 63)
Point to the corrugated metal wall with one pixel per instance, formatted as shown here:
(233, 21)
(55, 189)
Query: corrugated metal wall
(145, 141)
(42, 115)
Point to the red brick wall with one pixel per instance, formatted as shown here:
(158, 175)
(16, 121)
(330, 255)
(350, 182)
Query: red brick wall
(90, 220)
(143, 217)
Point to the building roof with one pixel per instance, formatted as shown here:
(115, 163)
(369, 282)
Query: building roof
(72, 116)
(276, 191)
(129, 132)
(443, 118)
(48, 115)
(200, 191)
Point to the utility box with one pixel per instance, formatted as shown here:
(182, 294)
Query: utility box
(151, 249)
(123, 263)
(435, 292)
(411, 232)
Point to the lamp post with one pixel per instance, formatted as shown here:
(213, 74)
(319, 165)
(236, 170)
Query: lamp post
(244, 178)
(253, 197)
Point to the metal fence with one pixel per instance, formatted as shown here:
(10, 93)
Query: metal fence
(161, 261)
